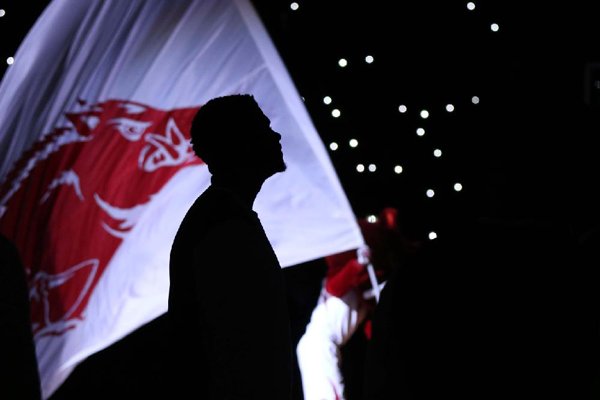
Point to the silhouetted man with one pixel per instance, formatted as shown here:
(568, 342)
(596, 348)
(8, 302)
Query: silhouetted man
(226, 301)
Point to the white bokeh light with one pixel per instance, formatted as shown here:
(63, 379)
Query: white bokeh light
(398, 169)
(335, 113)
(333, 146)
(432, 235)
(495, 27)
(475, 100)
(402, 108)
(449, 107)
(353, 142)
(369, 59)
(294, 6)
(372, 167)
(2, 13)
(371, 219)
(430, 193)
(424, 114)
(458, 187)
(437, 153)
(327, 100)
(420, 131)
(470, 6)
(343, 62)
(360, 168)
(10, 60)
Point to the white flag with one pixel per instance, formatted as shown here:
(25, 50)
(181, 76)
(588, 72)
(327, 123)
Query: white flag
(97, 171)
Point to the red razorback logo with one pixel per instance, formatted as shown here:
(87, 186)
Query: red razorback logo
(70, 201)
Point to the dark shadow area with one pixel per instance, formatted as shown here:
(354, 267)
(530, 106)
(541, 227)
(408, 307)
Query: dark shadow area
(19, 377)
(498, 309)
(137, 367)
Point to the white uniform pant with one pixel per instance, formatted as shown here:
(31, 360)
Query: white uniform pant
(331, 325)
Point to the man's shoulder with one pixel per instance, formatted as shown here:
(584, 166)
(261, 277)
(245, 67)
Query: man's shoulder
(216, 210)
(219, 204)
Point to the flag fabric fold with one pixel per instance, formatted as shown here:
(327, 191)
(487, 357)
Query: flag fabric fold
(97, 172)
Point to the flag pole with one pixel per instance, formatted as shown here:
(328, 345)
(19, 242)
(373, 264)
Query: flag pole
(363, 257)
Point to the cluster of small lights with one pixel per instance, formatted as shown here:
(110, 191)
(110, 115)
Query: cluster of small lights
(294, 6)
(361, 167)
(335, 113)
(424, 114)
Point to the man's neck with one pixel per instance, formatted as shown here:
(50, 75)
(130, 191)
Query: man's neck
(245, 187)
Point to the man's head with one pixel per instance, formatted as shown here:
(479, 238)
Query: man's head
(232, 135)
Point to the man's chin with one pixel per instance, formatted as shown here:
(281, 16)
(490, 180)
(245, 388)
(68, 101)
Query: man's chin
(279, 168)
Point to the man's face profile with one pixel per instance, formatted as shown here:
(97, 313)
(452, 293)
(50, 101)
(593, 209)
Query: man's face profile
(232, 133)
(266, 145)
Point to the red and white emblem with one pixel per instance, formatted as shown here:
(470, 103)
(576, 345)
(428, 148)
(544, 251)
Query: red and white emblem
(71, 200)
